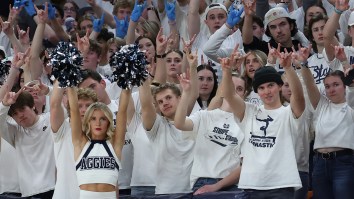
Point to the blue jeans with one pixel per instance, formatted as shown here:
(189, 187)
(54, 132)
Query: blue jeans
(207, 181)
(271, 194)
(142, 190)
(333, 178)
(302, 193)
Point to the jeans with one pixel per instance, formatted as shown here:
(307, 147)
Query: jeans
(333, 178)
(45, 195)
(208, 181)
(271, 194)
(302, 193)
(142, 190)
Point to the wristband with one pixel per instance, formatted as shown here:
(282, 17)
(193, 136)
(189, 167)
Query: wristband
(304, 64)
(338, 11)
(151, 8)
(161, 56)
(172, 22)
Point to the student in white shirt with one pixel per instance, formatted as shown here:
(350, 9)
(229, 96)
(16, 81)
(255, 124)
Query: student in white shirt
(333, 172)
(30, 134)
(174, 155)
(269, 133)
(218, 138)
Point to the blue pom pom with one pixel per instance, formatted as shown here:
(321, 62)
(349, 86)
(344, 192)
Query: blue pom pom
(66, 61)
(129, 65)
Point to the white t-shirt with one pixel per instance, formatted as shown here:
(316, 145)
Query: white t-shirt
(144, 167)
(268, 152)
(217, 149)
(335, 125)
(174, 157)
(319, 68)
(35, 154)
(66, 185)
(254, 98)
(9, 181)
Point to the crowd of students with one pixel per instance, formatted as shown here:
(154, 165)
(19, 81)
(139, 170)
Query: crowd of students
(236, 93)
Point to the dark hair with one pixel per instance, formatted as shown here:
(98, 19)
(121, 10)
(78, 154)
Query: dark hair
(292, 22)
(90, 74)
(24, 99)
(153, 41)
(312, 21)
(255, 19)
(215, 88)
(176, 51)
(336, 73)
(95, 47)
(2, 54)
(104, 35)
(318, 4)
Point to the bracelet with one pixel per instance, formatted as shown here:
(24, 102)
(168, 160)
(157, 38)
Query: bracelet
(151, 8)
(304, 64)
(338, 11)
(161, 56)
(152, 76)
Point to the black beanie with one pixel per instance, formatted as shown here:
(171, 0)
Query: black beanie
(266, 74)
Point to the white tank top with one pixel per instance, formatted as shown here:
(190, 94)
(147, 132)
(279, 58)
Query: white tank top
(97, 164)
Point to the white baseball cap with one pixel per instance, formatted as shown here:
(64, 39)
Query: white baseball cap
(351, 19)
(214, 6)
(275, 13)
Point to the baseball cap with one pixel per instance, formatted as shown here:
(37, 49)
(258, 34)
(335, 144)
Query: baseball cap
(275, 13)
(214, 6)
(351, 19)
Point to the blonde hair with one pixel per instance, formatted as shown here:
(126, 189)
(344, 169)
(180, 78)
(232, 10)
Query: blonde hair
(106, 111)
(262, 59)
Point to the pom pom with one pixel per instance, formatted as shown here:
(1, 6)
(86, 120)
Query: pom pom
(4, 71)
(130, 66)
(66, 61)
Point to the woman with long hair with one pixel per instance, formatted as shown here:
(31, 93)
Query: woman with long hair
(97, 145)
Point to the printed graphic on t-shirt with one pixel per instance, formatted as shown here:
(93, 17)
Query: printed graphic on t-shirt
(254, 100)
(97, 162)
(222, 137)
(263, 140)
(319, 73)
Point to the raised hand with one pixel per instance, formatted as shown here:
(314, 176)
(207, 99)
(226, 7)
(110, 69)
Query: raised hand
(339, 53)
(273, 54)
(138, 10)
(42, 14)
(161, 42)
(341, 5)
(23, 36)
(234, 16)
(11, 97)
(7, 27)
(249, 7)
(285, 59)
(170, 8)
(303, 53)
(187, 45)
(121, 26)
(192, 59)
(97, 23)
(36, 86)
(237, 58)
(83, 44)
(92, 3)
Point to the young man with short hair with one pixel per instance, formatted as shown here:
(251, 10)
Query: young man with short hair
(173, 154)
